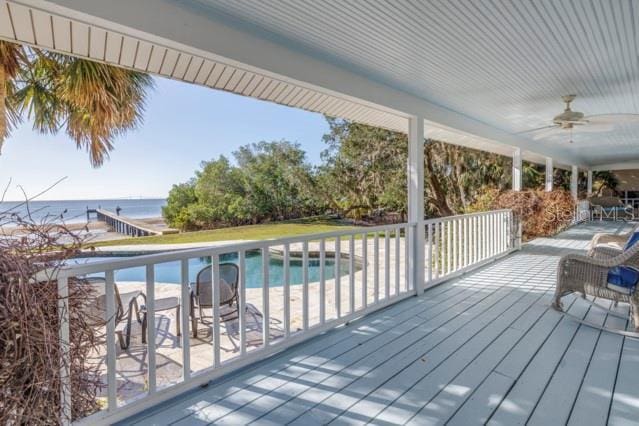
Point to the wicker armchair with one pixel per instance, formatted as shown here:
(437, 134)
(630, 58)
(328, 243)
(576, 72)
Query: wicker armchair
(588, 275)
(615, 241)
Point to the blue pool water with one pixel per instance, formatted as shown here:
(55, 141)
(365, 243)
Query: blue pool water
(170, 272)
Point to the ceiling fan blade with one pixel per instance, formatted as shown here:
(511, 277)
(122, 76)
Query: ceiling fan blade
(621, 118)
(552, 126)
(546, 132)
(591, 127)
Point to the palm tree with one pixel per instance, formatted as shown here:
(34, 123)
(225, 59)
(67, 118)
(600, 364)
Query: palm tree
(12, 57)
(93, 102)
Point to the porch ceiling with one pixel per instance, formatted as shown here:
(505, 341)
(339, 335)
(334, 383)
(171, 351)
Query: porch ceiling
(503, 62)
(480, 72)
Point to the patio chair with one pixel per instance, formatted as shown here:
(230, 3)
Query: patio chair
(607, 274)
(123, 310)
(614, 241)
(202, 296)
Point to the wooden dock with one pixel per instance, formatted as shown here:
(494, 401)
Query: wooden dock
(127, 226)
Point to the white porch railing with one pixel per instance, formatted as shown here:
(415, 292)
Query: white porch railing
(370, 273)
(455, 244)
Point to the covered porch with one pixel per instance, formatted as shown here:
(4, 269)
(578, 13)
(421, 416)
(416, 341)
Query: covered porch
(483, 348)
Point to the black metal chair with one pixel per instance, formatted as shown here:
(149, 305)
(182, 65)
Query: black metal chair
(202, 293)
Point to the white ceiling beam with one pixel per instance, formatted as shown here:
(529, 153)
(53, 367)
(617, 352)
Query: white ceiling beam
(190, 29)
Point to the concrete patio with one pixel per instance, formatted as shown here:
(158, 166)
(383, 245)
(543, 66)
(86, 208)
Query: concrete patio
(485, 348)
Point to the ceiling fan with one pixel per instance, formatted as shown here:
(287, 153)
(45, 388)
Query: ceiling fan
(575, 121)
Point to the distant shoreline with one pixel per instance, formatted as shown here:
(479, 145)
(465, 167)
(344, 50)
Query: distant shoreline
(74, 212)
(74, 200)
(90, 232)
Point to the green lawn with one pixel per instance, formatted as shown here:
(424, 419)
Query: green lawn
(250, 232)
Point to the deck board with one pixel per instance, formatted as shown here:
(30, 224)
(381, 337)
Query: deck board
(484, 348)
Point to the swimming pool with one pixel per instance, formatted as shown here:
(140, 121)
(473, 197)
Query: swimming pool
(170, 272)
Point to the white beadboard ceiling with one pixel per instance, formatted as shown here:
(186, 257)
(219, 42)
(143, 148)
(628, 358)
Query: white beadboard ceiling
(503, 62)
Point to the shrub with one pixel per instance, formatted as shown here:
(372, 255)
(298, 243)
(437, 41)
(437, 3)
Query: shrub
(30, 350)
(542, 213)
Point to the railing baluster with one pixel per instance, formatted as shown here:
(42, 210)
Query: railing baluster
(437, 247)
(364, 270)
(497, 234)
(266, 318)
(469, 240)
(478, 238)
(65, 345)
(242, 301)
(351, 274)
(504, 237)
(493, 223)
(505, 232)
(338, 278)
(494, 232)
(498, 225)
(475, 239)
(287, 289)
(499, 230)
(465, 243)
(386, 264)
(397, 256)
(109, 291)
(305, 285)
(215, 259)
(322, 283)
(449, 251)
(462, 238)
(150, 326)
(484, 239)
(490, 234)
(458, 244)
(430, 252)
(185, 317)
(376, 267)
(406, 254)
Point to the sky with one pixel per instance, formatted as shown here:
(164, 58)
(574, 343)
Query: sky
(184, 125)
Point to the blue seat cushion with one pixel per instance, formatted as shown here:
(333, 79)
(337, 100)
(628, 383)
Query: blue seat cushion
(623, 279)
(632, 240)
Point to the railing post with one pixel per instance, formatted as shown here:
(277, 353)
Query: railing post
(65, 358)
(549, 174)
(574, 181)
(517, 174)
(416, 202)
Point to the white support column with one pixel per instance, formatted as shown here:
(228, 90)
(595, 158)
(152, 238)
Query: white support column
(549, 174)
(574, 180)
(517, 175)
(416, 202)
(589, 183)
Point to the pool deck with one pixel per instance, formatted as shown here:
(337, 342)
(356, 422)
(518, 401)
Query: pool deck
(484, 348)
(132, 366)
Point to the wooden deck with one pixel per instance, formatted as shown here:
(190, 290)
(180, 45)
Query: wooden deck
(483, 348)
